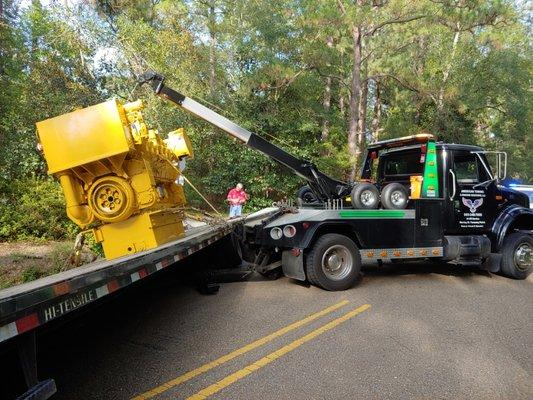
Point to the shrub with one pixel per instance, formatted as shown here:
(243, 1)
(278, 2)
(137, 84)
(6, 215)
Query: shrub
(33, 209)
(31, 273)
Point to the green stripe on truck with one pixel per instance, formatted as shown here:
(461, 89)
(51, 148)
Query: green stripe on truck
(369, 214)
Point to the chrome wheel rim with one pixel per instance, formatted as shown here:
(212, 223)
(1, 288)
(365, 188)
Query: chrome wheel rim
(398, 198)
(523, 256)
(337, 262)
(368, 198)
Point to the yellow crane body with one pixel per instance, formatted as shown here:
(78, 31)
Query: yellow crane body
(118, 176)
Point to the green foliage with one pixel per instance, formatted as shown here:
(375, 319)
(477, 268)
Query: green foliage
(33, 209)
(53, 78)
(94, 246)
(461, 70)
(59, 257)
(30, 273)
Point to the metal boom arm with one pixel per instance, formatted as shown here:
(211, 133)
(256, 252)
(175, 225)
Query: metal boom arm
(322, 185)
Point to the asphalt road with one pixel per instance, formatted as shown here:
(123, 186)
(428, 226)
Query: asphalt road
(430, 331)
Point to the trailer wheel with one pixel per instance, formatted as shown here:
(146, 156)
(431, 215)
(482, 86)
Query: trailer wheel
(365, 195)
(517, 255)
(333, 263)
(306, 196)
(394, 196)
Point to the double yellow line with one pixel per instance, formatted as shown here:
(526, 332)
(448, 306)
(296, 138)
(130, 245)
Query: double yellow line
(230, 379)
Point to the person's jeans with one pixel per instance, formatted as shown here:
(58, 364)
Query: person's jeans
(235, 210)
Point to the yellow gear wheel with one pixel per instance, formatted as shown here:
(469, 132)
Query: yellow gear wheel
(112, 199)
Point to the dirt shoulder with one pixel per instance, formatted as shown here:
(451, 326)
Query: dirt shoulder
(22, 262)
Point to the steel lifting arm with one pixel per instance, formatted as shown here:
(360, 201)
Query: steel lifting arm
(322, 185)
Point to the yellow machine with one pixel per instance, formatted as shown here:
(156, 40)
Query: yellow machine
(118, 176)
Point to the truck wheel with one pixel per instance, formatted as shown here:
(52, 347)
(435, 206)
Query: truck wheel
(394, 196)
(306, 196)
(365, 195)
(334, 262)
(517, 255)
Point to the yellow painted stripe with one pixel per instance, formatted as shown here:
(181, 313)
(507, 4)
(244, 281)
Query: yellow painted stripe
(230, 379)
(254, 345)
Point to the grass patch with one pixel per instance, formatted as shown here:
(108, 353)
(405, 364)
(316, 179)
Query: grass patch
(31, 273)
(22, 262)
(59, 257)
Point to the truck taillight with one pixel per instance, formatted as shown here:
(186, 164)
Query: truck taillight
(276, 233)
(289, 231)
(423, 151)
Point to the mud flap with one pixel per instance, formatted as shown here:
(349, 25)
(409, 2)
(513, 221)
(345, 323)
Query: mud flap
(293, 266)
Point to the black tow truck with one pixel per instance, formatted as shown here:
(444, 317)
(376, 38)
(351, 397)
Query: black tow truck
(417, 198)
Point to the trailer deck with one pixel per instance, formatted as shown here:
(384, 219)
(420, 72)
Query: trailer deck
(27, 307)
(30, 305)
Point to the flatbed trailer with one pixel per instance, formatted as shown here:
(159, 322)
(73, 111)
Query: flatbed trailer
(26, 308)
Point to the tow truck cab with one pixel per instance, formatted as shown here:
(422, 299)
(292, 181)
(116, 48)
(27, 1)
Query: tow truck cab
(456, 211)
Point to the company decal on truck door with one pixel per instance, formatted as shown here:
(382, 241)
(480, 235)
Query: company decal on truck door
(471, 200)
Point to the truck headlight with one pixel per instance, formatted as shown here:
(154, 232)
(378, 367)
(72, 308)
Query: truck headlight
(289, 231)
(276, 233)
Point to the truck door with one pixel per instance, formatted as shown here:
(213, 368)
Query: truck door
(471, 193)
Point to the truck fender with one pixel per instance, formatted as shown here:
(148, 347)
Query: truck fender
(339, 227)
(293, 264)
(507, 218)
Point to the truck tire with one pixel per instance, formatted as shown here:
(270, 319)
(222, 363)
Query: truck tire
(365, 196)
(517, 255)
(333, 263)
(306, 196)
(394, 196)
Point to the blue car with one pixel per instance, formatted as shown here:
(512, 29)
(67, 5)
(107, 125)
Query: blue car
(526, 189)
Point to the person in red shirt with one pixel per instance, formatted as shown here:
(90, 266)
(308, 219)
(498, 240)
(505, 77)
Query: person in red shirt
(236, 198)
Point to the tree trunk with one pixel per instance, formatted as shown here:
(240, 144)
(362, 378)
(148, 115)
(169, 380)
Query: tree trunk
(342, 99)
(447, 69)
(210, 138)
(212, 50)
(376, 119)
(326, 103)
(361, 123)
(36, 4)
(353, 106)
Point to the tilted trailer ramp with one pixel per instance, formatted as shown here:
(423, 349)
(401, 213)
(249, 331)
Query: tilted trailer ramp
(26, 307)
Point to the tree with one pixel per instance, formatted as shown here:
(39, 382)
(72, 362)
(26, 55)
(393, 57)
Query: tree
(320, 79)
